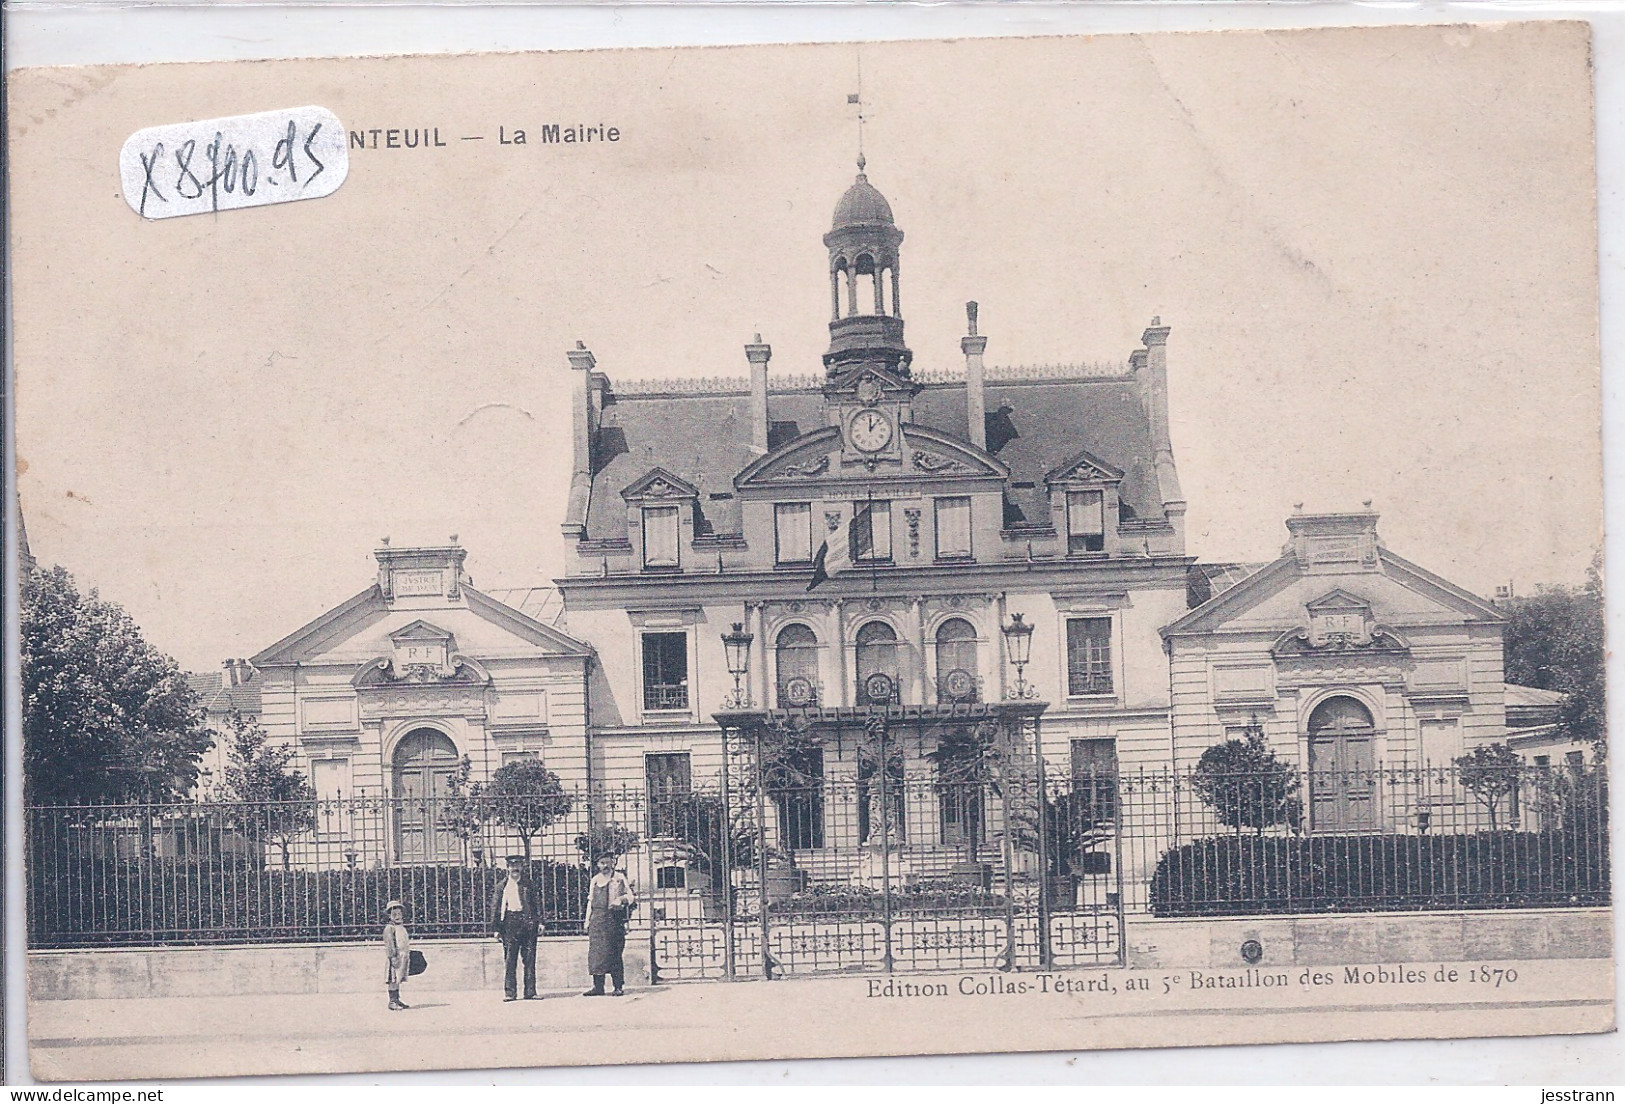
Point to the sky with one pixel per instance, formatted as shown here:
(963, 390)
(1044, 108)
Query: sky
(1376, 251)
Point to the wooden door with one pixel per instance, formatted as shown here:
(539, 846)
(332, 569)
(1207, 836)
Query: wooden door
(425, 763)
(1342, 767)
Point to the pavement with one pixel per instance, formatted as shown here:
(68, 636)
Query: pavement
(972, 1012)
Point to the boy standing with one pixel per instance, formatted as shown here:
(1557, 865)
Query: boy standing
(398, 952)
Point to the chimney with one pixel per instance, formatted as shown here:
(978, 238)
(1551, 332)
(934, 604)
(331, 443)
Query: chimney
(231, 674)
(1155, 340)
(973, 347)
(584, 397)
(758, 354)
(1155, 362)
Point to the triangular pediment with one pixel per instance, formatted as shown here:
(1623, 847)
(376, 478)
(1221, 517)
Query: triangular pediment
(657, 482)
(1338, 601)
(1285, 595)
(420, 630)
(366, 627)
(1084, 467)
(869, 383)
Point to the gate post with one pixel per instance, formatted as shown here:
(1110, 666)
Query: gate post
(761, 852)
(879, 730)
(1046, 958)
(725, 851)
(736, 720)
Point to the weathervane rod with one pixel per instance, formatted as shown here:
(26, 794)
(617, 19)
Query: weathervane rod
(857, 98)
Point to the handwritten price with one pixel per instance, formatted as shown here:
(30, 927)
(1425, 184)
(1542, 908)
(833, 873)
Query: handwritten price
(241, 161)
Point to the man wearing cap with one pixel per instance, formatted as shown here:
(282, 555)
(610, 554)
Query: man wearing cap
(516, 914)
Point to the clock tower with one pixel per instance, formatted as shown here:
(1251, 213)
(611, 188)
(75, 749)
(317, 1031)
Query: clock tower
(866, 319)
(868, 390)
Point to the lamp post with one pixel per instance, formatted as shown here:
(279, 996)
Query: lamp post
(1023, 711)
(736, 644)
(738, 716)
(1018, 638)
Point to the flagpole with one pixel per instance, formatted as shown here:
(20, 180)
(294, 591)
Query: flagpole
(874, 561)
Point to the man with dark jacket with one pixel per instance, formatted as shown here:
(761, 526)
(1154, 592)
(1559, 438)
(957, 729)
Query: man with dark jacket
(516, 916)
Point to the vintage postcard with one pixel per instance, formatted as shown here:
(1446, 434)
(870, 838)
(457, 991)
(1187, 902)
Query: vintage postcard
(520, 572)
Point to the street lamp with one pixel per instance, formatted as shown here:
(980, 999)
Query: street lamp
(737, 646)
(1018, 637)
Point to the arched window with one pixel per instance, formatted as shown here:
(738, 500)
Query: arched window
(796, 660)
(1342, 766)
(877, 655)
(866, 288)
(958, 670)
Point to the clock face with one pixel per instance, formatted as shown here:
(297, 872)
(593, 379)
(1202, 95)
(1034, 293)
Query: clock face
(870, 430)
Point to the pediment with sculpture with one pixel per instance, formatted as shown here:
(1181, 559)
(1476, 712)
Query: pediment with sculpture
(819, 457)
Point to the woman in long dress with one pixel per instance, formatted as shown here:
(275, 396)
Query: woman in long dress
(609, 901)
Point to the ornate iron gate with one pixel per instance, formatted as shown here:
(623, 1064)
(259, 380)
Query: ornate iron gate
(900, 839)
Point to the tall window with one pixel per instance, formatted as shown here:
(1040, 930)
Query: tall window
(1089, 655)
(1085, 522)
(660, 536)
(668, 780)
(871, 541)
(957, 674)
(794, 529)
(953, 527)
(877, 655)
(796, 658)
(665, 670)
(331, 777)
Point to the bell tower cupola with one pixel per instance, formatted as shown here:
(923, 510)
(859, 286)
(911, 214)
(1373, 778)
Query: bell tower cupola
(866, 319)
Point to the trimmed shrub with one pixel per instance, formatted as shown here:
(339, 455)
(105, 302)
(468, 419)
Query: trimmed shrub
(1249, 875)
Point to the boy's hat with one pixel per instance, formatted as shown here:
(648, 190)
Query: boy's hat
(515, 860)
(394, 905)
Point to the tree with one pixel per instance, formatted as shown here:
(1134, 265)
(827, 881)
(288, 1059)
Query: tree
(463, 812)
(606, 839)
(1554, 641)
(107, 718)
(1247, 785)
(1490, 772)
(274, 803)
(524, 796)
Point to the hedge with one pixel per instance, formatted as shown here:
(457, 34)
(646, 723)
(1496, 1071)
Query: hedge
(119, 902)
(1248, 875)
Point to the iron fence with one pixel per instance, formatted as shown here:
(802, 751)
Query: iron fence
(870, 869)
(1380, 838)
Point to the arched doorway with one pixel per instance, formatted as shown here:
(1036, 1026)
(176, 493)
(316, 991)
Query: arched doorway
(424, 763)
(1342, 767)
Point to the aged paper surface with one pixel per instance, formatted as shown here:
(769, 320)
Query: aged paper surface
(1336, 273)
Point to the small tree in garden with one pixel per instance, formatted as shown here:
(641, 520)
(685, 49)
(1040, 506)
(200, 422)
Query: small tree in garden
(606, 839)
(524, 796)
(274, 802)
(1490, 773)
(1247, 785)
(463, 812)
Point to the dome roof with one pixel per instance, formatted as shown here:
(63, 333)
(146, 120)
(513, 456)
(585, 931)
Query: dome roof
(862, 205)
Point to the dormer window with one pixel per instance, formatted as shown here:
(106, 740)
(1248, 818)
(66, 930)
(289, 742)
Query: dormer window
(1085, 522)
(655, 504)
(661, 526)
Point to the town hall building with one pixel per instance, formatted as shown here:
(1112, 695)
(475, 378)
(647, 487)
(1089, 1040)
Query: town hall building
(886, 536)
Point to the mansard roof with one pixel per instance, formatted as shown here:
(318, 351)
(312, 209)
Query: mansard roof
(1033, 427)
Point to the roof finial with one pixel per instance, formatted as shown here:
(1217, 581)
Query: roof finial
(857, 98)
